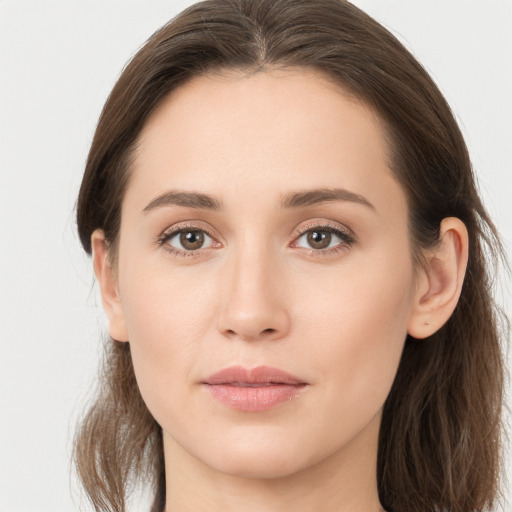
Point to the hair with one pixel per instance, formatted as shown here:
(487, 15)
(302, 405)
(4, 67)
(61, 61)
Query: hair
(440, 436)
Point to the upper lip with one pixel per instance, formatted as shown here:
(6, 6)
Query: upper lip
(259, 375)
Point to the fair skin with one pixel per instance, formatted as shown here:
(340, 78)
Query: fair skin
(322, 286)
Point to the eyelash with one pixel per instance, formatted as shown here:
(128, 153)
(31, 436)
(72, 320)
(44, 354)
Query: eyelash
(346, 237)
(168, 235)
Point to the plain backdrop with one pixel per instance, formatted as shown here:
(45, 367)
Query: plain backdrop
(58, 61)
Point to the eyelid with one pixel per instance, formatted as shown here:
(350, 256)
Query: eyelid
(325, 225)
(182, 226)
(175, 229)
(346, 235)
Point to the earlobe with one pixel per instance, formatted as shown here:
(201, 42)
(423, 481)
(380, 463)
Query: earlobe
(440, 283)
(108, 287)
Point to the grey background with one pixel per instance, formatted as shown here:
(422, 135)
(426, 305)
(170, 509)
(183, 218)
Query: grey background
(58, 61)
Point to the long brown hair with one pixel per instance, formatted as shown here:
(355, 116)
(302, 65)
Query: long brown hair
(439, 445)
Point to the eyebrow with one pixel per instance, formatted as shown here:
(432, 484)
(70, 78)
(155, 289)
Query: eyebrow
(323, 195)
(186, 199)
(201, 201)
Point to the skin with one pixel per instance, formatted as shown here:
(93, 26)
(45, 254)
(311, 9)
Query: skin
(257, 293)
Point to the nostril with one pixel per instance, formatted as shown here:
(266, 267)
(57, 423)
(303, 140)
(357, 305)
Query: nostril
(268, 331)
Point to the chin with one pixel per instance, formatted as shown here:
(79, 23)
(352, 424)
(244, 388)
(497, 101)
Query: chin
(260, 458)
(259, 466)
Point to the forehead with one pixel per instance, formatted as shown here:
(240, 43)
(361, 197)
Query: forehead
(269, 131)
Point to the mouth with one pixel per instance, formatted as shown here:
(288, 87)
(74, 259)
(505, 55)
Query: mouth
(257, 389)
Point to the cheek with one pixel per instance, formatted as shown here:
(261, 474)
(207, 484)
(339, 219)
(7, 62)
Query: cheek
(162, 314)
(356, 328)
(168, 319)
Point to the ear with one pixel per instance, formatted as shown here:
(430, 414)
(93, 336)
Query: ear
(440, 283)
(108, 287)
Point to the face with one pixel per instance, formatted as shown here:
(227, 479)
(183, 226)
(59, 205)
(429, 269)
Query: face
(264, 272)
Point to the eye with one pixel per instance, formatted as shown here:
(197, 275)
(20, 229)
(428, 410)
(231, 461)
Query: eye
(321, 238)
(186, 240)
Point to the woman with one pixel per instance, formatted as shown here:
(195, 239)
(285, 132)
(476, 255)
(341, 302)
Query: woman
(291, 254)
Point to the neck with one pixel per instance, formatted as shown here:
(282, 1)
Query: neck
(343, 482)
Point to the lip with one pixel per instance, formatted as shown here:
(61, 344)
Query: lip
(256, 389)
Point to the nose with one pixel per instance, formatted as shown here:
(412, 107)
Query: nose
(254, 296)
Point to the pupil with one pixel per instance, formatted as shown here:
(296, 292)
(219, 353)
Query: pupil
(191, 240)
(319, 239)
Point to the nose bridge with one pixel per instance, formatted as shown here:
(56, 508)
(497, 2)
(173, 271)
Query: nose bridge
(253, 304)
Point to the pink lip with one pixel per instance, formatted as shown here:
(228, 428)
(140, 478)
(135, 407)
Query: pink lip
(256, 389)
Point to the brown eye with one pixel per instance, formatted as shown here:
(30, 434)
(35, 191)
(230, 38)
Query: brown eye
(322, 238)
(187, 240)
(319, 239)
(192, 240)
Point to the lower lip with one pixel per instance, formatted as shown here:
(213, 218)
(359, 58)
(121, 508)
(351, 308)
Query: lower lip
(261, 398)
